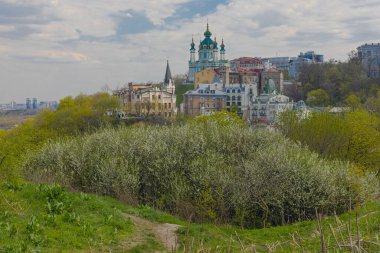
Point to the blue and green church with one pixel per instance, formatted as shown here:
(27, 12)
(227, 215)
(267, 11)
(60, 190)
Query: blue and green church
(209, 55)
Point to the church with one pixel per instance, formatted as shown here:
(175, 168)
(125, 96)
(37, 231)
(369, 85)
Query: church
(209, 55)
(150, 99)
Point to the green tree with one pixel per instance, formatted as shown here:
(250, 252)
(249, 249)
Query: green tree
(222, 118)
(353, 102)
(318, 98)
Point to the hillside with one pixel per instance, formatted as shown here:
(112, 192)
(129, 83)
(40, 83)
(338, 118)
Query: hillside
(48, 218)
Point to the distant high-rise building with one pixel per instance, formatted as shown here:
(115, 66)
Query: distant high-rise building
(293, 64)
(369, 55)
(34, 104)
(311, 55)
(28, 104)
(302, 59)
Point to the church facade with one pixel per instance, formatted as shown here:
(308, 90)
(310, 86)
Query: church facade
(150, 100)
(209, 55)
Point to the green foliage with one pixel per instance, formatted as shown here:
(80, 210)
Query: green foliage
(224, 173)
(73, 116)
(318, 98)
(352, 136)
(353, 102)
(299, 237)
(220, 119)
(340, 80)
(180, 90)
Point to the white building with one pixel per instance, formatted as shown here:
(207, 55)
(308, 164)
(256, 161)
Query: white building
(266, 107)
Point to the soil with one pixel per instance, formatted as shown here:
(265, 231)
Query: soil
(165, 233)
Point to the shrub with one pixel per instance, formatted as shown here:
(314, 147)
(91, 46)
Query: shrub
(253, 178)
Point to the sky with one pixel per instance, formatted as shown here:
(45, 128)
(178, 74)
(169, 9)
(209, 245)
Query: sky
(50, 49)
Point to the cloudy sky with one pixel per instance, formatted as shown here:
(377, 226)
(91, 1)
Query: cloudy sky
(53, 48)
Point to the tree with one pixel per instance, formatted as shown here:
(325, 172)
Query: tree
(317, 98)
(353, 102)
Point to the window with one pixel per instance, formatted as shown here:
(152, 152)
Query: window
(239, 103)
(239, 98)
(228, 104)
(170, 105)
(138, 96)
(228, 98)
(233, 98)
(228, 91)
(165, 105)
(233, 90)
(159, 96)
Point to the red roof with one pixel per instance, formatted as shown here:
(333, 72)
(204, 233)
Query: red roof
(248, 60)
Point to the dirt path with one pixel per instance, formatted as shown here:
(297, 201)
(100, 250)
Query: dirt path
(165, 233)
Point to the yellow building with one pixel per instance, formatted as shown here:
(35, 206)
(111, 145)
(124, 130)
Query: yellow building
(206, 76)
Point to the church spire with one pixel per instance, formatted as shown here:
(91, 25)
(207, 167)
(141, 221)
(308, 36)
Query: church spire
(168, 75)
(207, 33)
(192, 44)
(222, 45)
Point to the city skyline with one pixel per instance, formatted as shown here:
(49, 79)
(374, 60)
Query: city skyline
(51, 49)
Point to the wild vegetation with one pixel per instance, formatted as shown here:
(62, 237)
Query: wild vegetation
(48, 218)
(352, 136)
(74, 116)
(213, 170)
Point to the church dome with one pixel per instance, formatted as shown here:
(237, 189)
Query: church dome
(207, 42)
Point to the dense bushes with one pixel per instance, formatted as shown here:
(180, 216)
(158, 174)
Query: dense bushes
(253, 178)
(352, 136)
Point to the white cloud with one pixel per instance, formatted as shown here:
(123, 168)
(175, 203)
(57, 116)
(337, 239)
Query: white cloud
(84, 34)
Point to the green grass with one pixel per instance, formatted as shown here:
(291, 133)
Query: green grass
(180, 90)
(48, 218)
(51, 219)
(298, 237)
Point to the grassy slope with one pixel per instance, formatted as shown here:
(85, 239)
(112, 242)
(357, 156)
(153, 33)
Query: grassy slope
(302, 236)
(92, 223)
(81, 223)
